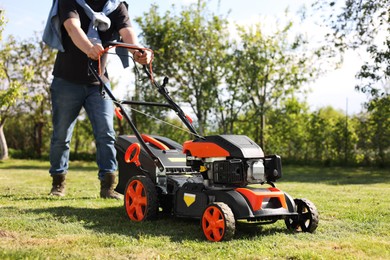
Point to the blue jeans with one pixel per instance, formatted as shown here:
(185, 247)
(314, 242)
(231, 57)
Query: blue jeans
(67, 100)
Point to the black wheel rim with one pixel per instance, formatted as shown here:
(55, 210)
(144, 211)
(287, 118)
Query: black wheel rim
(306, 219)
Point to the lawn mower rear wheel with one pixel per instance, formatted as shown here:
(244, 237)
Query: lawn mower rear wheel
(307, 219)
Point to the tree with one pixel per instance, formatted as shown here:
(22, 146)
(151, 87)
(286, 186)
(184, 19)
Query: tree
(373, 131)
(365, 24)
(331, 137)
(12, 79)
(362, 23)
(191, 50)
(271, 69)
(380, 122)
(343, 139)
(287, 131)
(233, 99)
(364, 147)
(35, 54)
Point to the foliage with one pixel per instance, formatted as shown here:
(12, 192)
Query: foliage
(379, 122)
(366, 23)
(13, 75)
(247, 85)
(192, 50)
(35, 54)
(325, 136)
(271, 69)
(287, 131)
(28, 128)
(362, 23)
(220, 78)
(2, 23)
(19, 131)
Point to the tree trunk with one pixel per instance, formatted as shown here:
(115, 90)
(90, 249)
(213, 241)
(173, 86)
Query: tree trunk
(3, 144)
(38, 138)
(262, 126)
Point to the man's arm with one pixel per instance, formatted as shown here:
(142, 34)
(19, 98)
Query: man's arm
(80, 39)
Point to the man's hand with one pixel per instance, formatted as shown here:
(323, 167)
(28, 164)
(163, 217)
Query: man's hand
(143, 58)
(80, 39)
(94, 51)
(129, 36)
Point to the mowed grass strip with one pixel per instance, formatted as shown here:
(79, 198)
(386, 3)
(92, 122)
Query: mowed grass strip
(354, 206)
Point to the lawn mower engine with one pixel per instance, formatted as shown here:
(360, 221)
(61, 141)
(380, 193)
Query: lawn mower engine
(231, 160)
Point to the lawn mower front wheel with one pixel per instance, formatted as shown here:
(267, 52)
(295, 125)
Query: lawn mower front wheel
(307, 219)
(218, 222)
(141, 202)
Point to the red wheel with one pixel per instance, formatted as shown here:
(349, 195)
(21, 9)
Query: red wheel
(141, 201)
(218, 222)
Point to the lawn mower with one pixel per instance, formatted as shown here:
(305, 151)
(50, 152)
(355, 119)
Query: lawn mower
(219, 179)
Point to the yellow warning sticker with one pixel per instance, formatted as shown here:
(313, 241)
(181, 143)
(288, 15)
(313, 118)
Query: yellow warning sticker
(182, 159)
(189, 198)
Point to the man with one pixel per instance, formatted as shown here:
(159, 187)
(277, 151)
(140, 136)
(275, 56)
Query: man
(73, 87)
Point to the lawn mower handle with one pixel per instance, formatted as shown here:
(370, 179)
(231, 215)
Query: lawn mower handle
(161, 88)
(104, 89)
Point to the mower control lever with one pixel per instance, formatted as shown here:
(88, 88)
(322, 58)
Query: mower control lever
(165, 81)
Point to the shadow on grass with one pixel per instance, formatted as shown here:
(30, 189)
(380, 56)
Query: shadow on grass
(115, 221)
(249, 230)
(335, 175)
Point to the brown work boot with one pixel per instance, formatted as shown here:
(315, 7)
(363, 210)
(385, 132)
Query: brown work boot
(107, 186)
(58, 185)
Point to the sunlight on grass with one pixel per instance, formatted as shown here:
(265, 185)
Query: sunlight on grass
(354, 206)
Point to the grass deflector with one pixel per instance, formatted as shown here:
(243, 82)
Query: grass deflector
(218, 179)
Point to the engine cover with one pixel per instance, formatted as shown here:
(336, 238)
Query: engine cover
(231, 160)
(233, 146)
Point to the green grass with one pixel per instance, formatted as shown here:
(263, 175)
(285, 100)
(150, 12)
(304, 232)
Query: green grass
(354, 206)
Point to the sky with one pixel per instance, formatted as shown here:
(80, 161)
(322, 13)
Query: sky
(336, 88)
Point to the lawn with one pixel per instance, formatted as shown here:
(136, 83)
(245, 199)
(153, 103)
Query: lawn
(354, 207)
